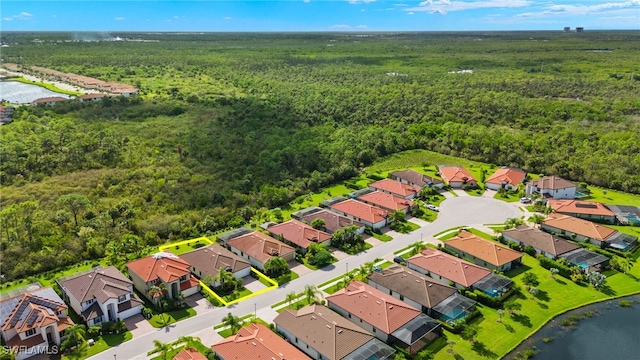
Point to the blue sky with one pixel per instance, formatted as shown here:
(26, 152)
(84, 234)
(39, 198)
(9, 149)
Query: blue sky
(318, 15)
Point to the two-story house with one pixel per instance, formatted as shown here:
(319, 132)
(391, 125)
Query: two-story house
(552, 187)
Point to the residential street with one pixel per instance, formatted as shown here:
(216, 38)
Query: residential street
(454, 211)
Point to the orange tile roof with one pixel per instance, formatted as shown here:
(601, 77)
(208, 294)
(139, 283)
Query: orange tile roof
(31, 311)
(579, 207)
(579, 226)
(449, 267)
(189, 354)
(299, 233)
(381, 310)
(508, 176)
(256, 341)
(260, 246)
(395, 187)
(361, 210)
(455, 173)
(386, 201)
(165, 266)
(483, 249)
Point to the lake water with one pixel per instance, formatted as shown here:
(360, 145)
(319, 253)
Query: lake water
(613, 332)
(20, 93)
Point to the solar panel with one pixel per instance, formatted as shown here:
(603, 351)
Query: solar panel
(32, 318)
(586, 206)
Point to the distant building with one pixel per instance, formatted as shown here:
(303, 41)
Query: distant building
(567, 29)
(579, 29)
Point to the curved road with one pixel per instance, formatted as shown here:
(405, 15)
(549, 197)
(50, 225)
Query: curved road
(456, 211)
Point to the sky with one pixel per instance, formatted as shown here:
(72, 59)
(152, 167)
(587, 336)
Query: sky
(317, 15)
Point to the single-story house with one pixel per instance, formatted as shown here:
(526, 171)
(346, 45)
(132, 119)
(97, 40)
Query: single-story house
(48, 101)
(433, 298)
(506, 178)
(483, 252)
(189, 354)
(256, 341)
(457, 176)
(395, 188)
(330, 202)
(583, 230)
(369, 215)
(207, 261)
(332, 221)
(166, 270)
(583, 209)
(101, 295)
(300, 234)
(543, 242)
(552, 187)
(91, 97)
(416, 179)
(323, 334)
(33, 322)
(445, 268)
(387, 201)
(224, 237)
(389, 319)
(586, 260)
(258, 248)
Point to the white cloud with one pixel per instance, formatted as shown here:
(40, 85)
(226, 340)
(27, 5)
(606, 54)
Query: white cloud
(362, 26)
(119, 18)
(582, 10)
(7, 19)
(445, 6)
(341, 26)
(228, 18)
(356, 2)
(400, 5)
(410, 13)
(22, 16)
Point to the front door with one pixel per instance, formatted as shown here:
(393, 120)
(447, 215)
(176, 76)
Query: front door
(49, 337)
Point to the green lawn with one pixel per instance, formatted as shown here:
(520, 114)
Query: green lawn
(405, 227)
(237, 294)
(382, 237)
(296, 305)
(314, 199)
(475, 192)
(508, 197)
(46, 86)
(496, 339)
(631, 230)
(101, 344)
(170, 317)
(196, 345)
(436, 235)
(412, 158)
(481, 234)
(612, 197)
(181, 249)
(359, 249)
(429, 215)
(285, 278)
(436, 199)
(49, 278)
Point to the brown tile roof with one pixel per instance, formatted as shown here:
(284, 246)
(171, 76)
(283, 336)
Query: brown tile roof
(551, 183)
(361, 210)
(211, 258)
(165, 266)
(102, 284)
(455, 174)
(449, 267)
(579, 207)
(189, 354)
(395, 187)
(333, 222)
(92, 96)
(541, 240)
(579, 226)
(324, 330)
(412, 285)
(483, 249)
(386, 201)
(508, 176)
(415, 178)
(29, 311)
(381, 310)
(49, 99)
(299, 233)
(260, 246)
(256, 341)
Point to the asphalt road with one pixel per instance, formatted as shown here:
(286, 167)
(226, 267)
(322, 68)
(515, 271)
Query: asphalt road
(457, 211)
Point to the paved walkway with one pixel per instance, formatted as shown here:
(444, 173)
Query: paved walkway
(460, 192)
(419, 221)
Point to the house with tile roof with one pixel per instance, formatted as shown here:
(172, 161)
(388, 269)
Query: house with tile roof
(101, 295)
(387, 201)
(445, 268)
(483, 252)
(587, 210)
(91, 97)
(583, 230)
(189, 354)
(48, 101)
(552, 187)
(422, 292)
(299, 234)
(369, 215)
(256, 341)
(396, 188)
(33, 322)
(416, 179)
(323, 334)
(166, 270)
(457, 176)
(207, 261)
(258, 248)
(544, 243)
(389, 319)
(332, 221)
(506, 178)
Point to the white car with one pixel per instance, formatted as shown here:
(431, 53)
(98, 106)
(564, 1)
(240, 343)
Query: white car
(525, 200)
(432, 207)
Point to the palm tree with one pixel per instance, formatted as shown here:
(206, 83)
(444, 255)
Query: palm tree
(233, 322)
(512, 307)
(500, 315)
(162, 348)
(180, 299)
(156, 291)
(470, 332)
(310, 293)
(536, 218)
(417, 247)
(398, 216)
(276, 266)
(291, 297)
(188, 341)
(365, 269)
(226, 280)
(75, 332)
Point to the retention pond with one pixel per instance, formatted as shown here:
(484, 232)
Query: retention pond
(21, 93)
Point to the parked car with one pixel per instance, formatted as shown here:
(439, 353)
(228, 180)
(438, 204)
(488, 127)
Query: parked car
(433, 207)
(377, 268)
(525, 200)
(398, 260)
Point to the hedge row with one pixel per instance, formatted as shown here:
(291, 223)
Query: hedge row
(547, 263)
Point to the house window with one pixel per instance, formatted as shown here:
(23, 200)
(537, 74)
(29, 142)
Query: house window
(296, 340)
(402, 297)
(183, 278)
(97, 320)
(30, 332)
(122, 298)
(349, 315)
(374, 330)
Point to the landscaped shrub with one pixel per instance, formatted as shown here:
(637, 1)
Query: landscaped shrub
(375, 177)
(547, 263)
(530, 250)
(487, 300)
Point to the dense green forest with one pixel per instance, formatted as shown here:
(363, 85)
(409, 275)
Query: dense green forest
(230, 125)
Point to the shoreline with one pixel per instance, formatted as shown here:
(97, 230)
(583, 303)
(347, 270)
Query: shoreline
(34, 80)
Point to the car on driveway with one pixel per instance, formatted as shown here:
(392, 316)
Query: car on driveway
(525, 200)
(398, 260)
(432, 207)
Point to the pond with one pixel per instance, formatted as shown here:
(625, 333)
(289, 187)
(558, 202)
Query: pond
(20, 93)
(612, 332)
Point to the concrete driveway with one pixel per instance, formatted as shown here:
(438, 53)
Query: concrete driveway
(138, 325)
(253, 284)
(299, 269)
(198, 303)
